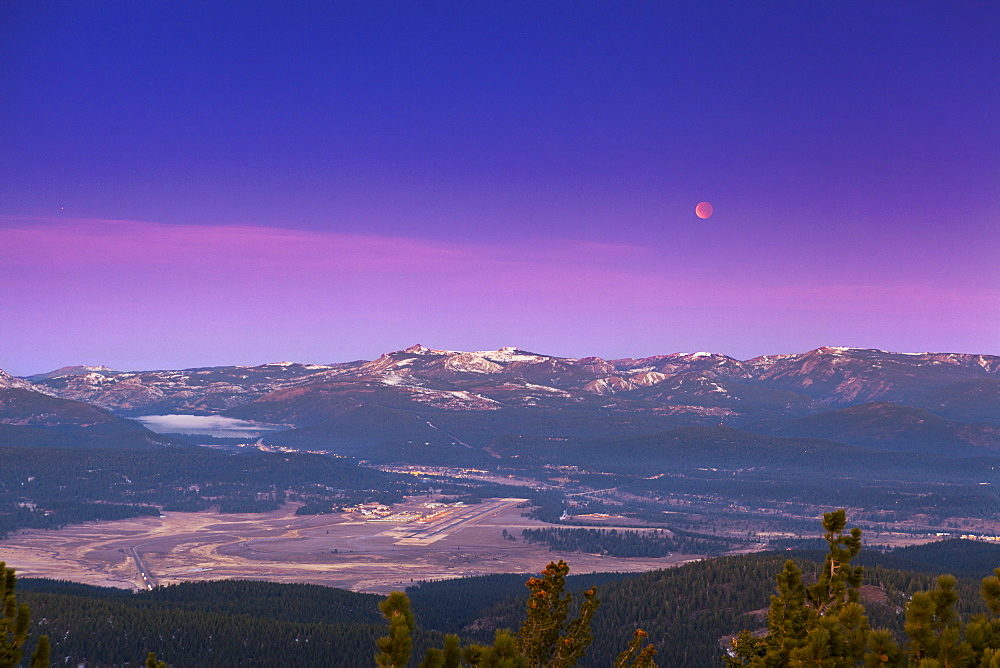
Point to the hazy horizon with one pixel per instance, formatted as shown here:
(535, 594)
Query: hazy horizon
(539, 352)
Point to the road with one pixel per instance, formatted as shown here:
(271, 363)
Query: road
(148, 579)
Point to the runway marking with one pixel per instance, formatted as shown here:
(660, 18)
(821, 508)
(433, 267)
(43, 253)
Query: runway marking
(456, 522)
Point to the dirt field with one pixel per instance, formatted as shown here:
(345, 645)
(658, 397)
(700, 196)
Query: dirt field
(339, 550)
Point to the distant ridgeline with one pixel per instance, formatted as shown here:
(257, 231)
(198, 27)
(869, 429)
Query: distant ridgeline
(688, 611)
(679, 438)
(418, 404)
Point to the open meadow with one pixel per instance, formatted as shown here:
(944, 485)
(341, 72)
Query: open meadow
(344, 550)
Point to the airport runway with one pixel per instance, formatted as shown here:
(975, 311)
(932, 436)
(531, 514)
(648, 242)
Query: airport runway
(455, 522)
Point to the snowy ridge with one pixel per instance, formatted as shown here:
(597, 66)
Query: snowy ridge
(509, 376)
(511, 354)
(10, 382)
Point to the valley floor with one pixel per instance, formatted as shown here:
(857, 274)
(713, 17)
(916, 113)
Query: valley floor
(340, 550)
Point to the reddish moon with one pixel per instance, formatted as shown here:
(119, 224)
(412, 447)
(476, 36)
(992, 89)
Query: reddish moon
(703, 210)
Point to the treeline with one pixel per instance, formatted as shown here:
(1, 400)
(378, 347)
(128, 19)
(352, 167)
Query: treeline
(822, 619)
(476, 606)
(956, 491)
(614, 543)
(46, 488)
(959, 557)
(316, 507)
(688, 611)
(694, 498)
(208, 625)
(319, 500)
(58, 514)
(544, 506)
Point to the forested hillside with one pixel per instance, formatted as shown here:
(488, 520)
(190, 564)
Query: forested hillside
(624, 543)
(44, 488)
(208, 625)
(688, 612)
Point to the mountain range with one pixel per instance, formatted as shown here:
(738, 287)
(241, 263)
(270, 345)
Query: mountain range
(921, 402)
(31, 415)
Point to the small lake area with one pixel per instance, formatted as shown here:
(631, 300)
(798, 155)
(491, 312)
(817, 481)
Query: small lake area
(208, 425)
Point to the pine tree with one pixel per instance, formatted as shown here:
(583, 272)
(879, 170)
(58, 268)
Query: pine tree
(935, 629)
(449, 657)
(547, 638)
(394, 649)
(40, 659)
(15, 623)
(823, 625)
(151, 661)
(635, 655)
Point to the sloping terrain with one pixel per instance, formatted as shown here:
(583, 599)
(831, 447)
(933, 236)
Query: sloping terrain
(848, 376)
(698, 384)
(967, 401)
(32, 418)
(201, 391)
(687, 611)
(486, 380)
(886, 426)
(477, 399)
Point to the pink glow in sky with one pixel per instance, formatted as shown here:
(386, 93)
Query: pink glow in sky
(143, 295)
(327, 181)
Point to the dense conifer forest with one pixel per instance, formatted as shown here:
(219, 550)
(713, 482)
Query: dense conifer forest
(208, 624)
(689, 612)
(44, 488)
(611, 542)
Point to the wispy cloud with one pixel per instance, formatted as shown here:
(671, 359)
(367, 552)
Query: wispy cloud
(158, 256)
(112, 285)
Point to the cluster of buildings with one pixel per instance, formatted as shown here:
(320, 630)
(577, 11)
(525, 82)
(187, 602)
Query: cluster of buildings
(984, 538)
(377, 512)
(370, 510)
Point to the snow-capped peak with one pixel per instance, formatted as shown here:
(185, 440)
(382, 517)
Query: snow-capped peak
(10, 382)
(7, 380)
(509, 354)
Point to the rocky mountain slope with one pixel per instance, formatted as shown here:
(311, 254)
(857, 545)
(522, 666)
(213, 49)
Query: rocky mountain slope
(33, 418)
(408, 387)
(7, 382)
(201, 391)
(713, 386)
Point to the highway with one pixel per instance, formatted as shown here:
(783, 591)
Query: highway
(148, 579)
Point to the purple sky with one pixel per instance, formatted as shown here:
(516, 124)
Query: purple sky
(188, 183)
